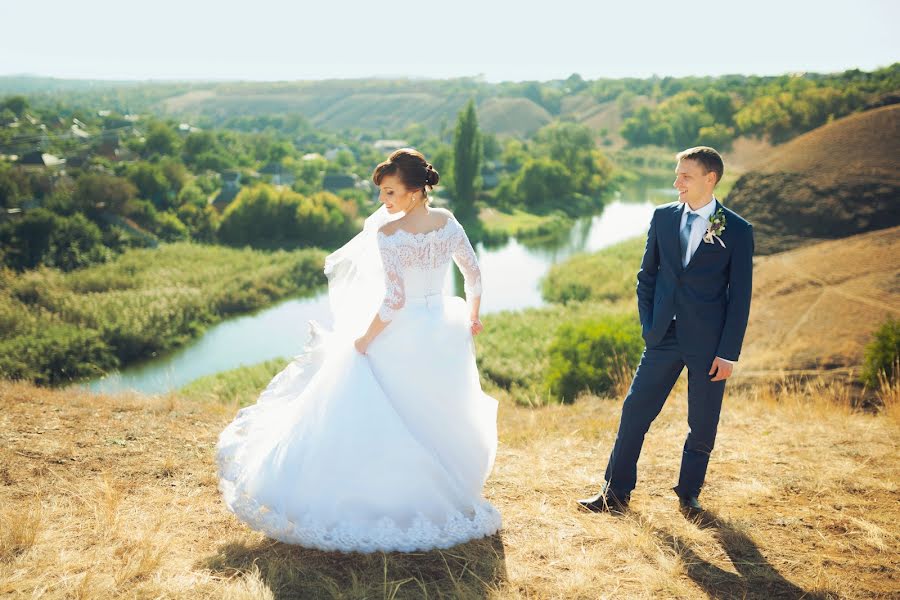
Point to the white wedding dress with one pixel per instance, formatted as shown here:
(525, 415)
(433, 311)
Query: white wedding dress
(387, 451)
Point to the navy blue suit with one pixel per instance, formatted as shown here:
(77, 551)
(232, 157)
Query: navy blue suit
(711, 299)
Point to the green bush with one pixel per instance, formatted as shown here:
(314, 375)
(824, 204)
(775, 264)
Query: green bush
(56, 353)
(241, 385)
(882, 354)
(168, 227)
(41, 237)
(264, 217)
(607, 275)
(586, 356)
(57, 326)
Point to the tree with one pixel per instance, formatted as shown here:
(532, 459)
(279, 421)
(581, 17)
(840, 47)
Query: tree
(75, 243)
(43, 238)
(720, 105)
(203, 150)
(279, 151)
(202, 221)
(96, 192)
(573, 146)
(575, 83)
(17, 104)
(883, 355)
(717, 136)
(29, 238)
(264, 217)
(151, 183)
(466, 160)
(543, 182)
(490, 145)
(191, 194)
(160, 140)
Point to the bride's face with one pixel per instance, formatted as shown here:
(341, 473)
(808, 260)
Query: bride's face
(394, 196)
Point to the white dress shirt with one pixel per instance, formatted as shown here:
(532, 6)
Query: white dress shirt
(698, 227)
(698, 230)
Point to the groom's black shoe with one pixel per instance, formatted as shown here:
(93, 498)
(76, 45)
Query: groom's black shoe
(689, 504)
(605, 501)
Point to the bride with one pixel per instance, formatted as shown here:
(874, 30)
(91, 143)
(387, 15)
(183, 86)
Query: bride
(384, 441)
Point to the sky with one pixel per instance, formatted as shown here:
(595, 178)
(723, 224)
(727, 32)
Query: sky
(497, 40)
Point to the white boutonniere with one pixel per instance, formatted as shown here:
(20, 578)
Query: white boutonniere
(715, 228)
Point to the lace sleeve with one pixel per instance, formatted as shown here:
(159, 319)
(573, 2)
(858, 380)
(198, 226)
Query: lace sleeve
(394, 291)
(465, 258)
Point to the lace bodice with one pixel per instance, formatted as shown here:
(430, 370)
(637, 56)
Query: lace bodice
(415, 264)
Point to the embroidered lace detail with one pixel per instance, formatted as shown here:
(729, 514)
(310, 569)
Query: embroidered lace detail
(480, 520)
(405, 254)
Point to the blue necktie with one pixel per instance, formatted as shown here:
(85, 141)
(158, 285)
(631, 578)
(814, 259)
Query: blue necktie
(686, 234)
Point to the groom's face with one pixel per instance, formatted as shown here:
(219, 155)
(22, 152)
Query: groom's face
(693, 184)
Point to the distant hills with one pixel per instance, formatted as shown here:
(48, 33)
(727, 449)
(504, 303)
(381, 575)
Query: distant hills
(675, 112)
(835, 181)
(370, 105)
(389, 106)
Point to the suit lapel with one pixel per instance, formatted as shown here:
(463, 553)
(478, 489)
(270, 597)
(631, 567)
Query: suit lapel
(675, 236)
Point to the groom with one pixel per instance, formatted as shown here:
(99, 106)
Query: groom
(694, 299)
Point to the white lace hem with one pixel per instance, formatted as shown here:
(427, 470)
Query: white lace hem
(383, 536)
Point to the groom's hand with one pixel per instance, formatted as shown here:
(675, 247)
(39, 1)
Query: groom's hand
(721, 369)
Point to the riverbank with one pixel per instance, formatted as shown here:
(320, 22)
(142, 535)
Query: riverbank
(59, 327)
(498, 226)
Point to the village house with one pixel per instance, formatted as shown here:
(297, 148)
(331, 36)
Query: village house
(231, 186)
(278, 174)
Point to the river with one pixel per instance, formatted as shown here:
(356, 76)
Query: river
(511, 274)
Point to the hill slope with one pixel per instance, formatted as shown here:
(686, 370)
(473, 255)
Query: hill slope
(832, 182)
(816, 307)
(388, 105)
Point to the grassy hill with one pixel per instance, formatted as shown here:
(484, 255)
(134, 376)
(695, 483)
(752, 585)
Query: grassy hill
(368, 111)
(835, 181)
(389, 105)
(512, 116)
(816, 307)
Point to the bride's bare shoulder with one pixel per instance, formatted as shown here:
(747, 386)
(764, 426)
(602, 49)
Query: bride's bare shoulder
(389, 228)
(442, 215)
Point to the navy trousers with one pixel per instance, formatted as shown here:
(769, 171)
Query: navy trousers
(657, 373)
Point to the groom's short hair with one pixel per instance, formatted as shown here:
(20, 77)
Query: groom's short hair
(708, 158)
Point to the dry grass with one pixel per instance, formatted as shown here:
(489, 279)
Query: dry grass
(838, 180)
(816, 307)
(860, 145)
(116, 497)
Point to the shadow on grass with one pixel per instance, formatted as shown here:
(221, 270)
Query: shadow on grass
(470, 570)
(755, 577)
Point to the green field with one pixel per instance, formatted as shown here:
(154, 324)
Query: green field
(57, 327)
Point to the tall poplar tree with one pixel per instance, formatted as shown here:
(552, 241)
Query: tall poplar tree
(467, 152)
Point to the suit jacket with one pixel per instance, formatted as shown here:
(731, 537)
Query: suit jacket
(710, 296)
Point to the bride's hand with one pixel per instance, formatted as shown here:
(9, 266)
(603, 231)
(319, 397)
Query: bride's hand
(477, 327)
(361, 344)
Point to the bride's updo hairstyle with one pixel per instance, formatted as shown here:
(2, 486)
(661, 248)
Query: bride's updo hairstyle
(411, 167)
